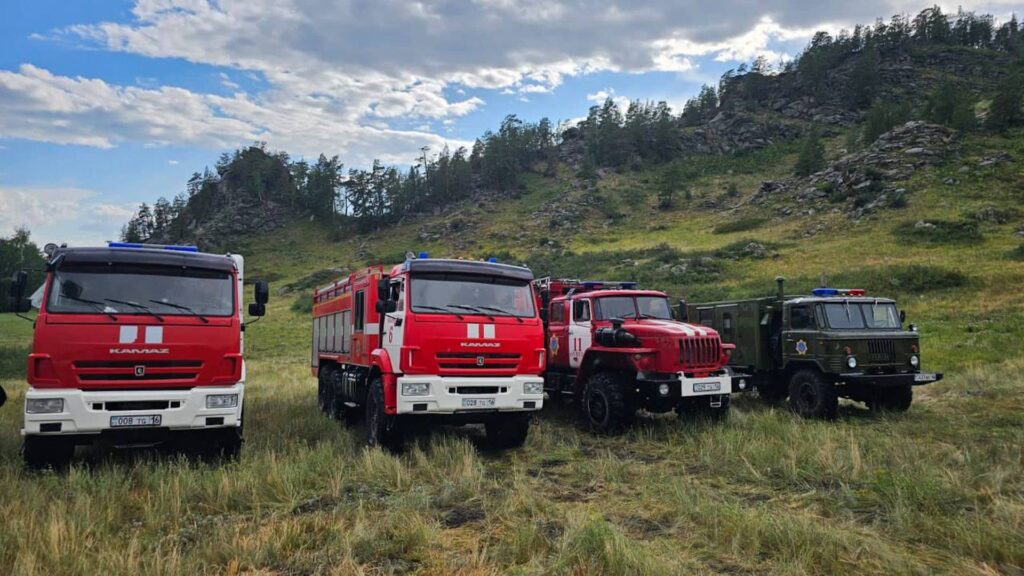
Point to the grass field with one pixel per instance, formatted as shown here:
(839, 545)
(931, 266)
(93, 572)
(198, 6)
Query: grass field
(939, 489)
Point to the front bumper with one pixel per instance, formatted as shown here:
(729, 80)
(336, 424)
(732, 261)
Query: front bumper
(461, 395)
(890, 380)
(86, 412)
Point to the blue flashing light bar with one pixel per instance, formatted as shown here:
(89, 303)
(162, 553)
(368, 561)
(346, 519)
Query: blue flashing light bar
(492, 260)
(423, 256)
(825, 292)
(152, 246)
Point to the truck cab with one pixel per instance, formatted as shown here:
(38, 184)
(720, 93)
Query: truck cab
(431, 340)
(816, 348)
(136, 345)
(616, 349)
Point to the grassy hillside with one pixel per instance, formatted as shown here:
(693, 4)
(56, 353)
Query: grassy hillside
(937, 490)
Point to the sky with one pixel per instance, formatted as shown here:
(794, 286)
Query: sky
(106, 104)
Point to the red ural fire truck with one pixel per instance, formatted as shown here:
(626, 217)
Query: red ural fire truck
(615, 349)
(453, 341)
(135, 345)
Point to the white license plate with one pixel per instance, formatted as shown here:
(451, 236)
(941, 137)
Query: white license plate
(478, 402)
(707, 386)
(924, 377)
(129, 421)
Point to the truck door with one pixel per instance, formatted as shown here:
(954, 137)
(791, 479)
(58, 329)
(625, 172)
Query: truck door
(394, 323)
(580, 334)
(558, 334)
(798, 337)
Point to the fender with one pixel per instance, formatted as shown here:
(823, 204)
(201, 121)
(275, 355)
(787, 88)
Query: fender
(380, 360)
(619, 358)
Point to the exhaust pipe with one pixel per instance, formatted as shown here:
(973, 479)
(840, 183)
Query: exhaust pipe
(782, 287)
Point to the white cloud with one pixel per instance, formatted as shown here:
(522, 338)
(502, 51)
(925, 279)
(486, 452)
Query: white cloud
(60, 214)
(172, 162)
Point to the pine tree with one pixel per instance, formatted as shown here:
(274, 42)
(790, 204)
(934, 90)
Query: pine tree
(1005, 110)
(812, 155)
(672, 182)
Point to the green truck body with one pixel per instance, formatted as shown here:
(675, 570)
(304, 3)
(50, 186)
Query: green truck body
(815, 349)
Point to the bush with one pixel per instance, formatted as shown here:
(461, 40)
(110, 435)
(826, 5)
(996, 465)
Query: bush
(939, 232)
(1017, 253)
(740, 225)
(812, 155)
(882, 117)
(303, 303)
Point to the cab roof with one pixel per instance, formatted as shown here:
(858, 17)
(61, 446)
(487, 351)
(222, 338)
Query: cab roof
(451, 266)
(607, 293)
(149, 256)
(838, 299)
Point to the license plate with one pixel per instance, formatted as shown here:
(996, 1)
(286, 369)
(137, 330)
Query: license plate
(130, 421)
(924, 377)
(707, 386)
(478, 402)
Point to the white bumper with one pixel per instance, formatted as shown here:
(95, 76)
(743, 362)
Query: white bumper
(705, 386)
(86, 412)
(451, 394)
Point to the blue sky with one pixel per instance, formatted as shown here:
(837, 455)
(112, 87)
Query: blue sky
(107, 104)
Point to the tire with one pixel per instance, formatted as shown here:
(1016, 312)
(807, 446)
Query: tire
(336, 408)
(811, 396)
(897, 399)
(229, 445)
(324, 391)
(507, 430)
(382, 429)
(3, 396)
(772, 391)
(605, 405)
(42, 452)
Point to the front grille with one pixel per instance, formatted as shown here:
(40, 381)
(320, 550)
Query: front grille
(126, 406)
(128, 370)
(479, 389)
(481, 361)
(881, 351)
(700, 352)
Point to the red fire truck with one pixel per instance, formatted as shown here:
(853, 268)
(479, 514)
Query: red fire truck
(615, 349)
(135, 345)
(453, 341)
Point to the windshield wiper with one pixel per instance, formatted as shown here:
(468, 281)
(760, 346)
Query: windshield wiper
(472, 308)
(439, 309)
(136, 305)
(97, 305)
(182, 307)
(501, 312)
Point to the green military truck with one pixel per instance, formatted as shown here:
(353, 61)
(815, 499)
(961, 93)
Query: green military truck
(817, 348)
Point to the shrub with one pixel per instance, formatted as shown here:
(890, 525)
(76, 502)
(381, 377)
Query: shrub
(812, 155)
(740, 225)
(303, 303)
(1017, 253)
(939, 232)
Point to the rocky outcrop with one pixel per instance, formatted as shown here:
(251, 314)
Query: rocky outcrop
(730, 132)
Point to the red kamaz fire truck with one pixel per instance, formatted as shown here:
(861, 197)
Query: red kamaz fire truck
(614, 349)
(456, 341)
(135, 345)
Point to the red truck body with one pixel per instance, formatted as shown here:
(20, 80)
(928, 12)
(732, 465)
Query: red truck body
(457, 340)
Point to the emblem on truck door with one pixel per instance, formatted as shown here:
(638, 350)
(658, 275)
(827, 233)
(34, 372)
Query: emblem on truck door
(801, 347)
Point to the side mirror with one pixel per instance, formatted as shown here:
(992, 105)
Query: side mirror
(684, 314)
(18, 282)
(903, 316)
(386, 306)
(257, 310)
(262, 292)
(383, 290)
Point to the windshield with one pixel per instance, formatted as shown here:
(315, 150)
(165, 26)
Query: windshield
(140, 289)
(443, 293)
(626, 307)
(861, 315)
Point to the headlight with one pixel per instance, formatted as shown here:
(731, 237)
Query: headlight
(851, 361)
(663, 389)
(222, 401)
(533, 388)
(415, 388)
(44, 405)
(914, 361)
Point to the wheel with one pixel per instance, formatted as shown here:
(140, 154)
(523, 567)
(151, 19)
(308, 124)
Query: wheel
(896, 399)
(324, 390)
(229, 443)
(507, 430)
(42, 452)
(772, 391)
(701, 408)
(811, 396)
(381, 429)
(3, 396)
(604, 403)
